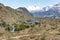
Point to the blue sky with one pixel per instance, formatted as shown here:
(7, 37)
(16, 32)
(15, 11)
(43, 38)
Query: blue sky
(24, 3)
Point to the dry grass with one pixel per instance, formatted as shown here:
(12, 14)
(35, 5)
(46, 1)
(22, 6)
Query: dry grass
(48, 28)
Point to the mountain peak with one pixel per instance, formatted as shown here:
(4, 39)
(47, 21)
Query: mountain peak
(57, 4)
(1, 4)
(22, 9)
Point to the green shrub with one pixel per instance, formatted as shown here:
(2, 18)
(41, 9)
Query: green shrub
(0, 7)
(21, 27)
(17, 28)
(4, 24)
(32, 25)
(8, 27)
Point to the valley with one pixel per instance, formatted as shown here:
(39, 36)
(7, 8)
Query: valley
(20, 24)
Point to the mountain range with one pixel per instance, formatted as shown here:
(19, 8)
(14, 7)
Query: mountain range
(52, 11)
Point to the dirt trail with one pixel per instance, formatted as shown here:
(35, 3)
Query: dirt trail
(25, 35)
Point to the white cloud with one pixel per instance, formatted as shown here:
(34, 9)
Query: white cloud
(33, 8)
(50, 6)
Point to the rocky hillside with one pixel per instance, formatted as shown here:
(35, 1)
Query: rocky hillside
(23, 9)
(11, 15)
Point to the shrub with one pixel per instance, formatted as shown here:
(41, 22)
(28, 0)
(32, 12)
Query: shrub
(21, 27)
(16, 28)
(0, 7)
(4, 24)
(8, 27)
(32, 25)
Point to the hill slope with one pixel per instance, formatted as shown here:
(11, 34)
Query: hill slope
(11, 15)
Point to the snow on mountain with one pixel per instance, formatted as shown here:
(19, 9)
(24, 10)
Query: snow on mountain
(33, 8)
(38, 8)
(51, 11)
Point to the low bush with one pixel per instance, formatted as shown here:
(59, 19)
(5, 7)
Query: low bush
(20, 27)
(7, 26)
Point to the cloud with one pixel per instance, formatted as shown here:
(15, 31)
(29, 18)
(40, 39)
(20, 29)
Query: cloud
(51, 5)
(33, 8)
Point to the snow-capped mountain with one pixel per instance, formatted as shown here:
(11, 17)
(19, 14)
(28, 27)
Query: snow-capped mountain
(51, 11)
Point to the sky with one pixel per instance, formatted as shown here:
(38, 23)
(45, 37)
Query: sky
(32, 4)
